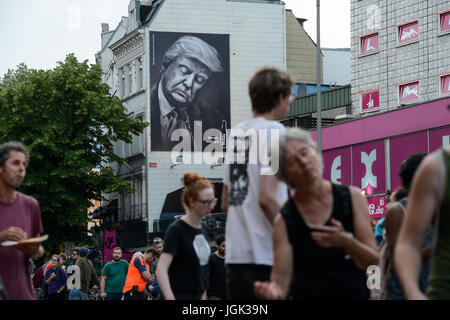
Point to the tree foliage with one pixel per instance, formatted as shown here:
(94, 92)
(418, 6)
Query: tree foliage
(69, 121)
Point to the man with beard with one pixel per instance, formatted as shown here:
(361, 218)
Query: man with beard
(114, 275)
(217, 284)
(20, 219)
(186, 68)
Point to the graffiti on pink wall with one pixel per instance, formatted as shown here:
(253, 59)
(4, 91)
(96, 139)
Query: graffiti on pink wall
(401, 148)
(369, 167)
(110, 243)
(364, 166)
(337, 166)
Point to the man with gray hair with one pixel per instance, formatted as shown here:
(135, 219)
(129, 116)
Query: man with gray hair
(186, 68)
(20, 219)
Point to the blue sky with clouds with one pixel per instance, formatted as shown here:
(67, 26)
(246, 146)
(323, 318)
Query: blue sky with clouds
(42, 32)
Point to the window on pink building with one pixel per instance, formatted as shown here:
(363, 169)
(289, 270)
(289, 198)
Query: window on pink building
(370, 99)
(445, 83)
(369, 43)
(408, 92)
(444, 17)
(408, 32)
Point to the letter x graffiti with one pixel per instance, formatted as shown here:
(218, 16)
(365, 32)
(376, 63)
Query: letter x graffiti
(368, 161)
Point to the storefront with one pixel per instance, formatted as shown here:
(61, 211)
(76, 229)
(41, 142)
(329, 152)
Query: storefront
(369, 151)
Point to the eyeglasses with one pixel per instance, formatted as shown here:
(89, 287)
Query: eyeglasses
(211, 202)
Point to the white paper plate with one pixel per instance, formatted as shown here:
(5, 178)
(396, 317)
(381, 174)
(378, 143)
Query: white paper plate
(9, 243)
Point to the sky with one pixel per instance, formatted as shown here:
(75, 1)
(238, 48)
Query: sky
(42, 32)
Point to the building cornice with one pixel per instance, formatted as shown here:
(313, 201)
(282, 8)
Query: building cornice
(127, 43)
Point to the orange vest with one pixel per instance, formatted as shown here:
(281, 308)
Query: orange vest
(134, 277)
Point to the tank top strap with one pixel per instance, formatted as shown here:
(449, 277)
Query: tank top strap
(292, 219)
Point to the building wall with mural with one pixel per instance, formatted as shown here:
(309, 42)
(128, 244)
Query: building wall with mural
(240, 30)
(247, 35)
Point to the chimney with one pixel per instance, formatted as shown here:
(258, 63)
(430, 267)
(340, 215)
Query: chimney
(105, 27)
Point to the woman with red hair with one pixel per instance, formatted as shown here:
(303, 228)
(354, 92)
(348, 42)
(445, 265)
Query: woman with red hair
(182, 268)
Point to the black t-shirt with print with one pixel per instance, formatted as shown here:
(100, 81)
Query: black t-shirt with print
(190, 249)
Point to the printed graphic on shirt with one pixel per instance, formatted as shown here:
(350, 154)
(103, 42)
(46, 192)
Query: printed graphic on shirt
(238, 171)
(201, 247)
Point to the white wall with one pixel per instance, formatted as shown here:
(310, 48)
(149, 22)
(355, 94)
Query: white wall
(257, 39)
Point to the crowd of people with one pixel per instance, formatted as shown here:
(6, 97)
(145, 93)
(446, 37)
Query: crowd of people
(290, 234)
(77, 279)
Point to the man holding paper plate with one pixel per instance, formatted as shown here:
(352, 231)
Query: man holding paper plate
(20, 224)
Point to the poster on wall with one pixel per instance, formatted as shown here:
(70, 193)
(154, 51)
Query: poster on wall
(377, 206)
(110, 243)
(337, 166)
(403, 147)
(370, 100)
(189, 90)
(369, 167)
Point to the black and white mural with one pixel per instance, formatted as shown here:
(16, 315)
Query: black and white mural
(190, 89)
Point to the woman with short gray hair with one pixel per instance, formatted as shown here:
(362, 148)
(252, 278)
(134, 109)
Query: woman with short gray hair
(279, 149)
(322, 238)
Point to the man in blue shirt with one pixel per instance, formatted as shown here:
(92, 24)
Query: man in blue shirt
(55, 279)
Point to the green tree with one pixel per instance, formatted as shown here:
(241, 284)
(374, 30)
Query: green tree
(69, 121)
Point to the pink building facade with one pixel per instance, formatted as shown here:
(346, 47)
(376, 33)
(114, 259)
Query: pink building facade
(368, 152)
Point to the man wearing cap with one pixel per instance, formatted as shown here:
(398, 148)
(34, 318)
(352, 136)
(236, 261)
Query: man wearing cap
(87, 274)
(186, 67)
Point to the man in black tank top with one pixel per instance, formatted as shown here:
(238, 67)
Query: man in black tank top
(323, 240)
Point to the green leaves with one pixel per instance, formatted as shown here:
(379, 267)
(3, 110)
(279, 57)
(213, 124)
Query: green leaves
(69, 121)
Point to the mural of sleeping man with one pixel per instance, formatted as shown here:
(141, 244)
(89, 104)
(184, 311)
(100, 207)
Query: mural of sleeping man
(190, 89)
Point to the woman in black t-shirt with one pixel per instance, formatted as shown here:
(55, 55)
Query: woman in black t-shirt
(182, 267)
(323, 241)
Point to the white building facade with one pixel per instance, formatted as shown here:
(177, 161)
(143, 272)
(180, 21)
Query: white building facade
(250, 34)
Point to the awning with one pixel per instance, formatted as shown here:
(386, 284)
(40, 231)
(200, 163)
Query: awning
(132, 234)
(105, 211)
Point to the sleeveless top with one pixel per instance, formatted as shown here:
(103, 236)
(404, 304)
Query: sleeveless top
(439, 280)
(323, 273)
